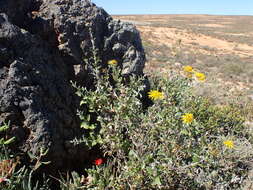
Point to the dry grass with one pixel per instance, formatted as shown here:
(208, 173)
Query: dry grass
(220, 46)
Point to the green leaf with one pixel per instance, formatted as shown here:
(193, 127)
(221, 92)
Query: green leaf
(9, 141)
(99, 139)
(132, 154)
(43, 152)
(31, 155)
(1, 141)
(184, 132)
(93, 143)
(78, 93)
(157, 181)
(85, 125)
(46, 163)
(4, 128)
(195, 158)
(82, 102)
(143, 166)
(149, 170)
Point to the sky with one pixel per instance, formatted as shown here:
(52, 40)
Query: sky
(218, 7)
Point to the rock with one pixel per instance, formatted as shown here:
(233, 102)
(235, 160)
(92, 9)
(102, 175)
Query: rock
(36, 95)
(41, 42)
(16, 10)
(124, 43)
(72, 21)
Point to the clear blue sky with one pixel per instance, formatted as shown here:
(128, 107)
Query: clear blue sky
(220, 7)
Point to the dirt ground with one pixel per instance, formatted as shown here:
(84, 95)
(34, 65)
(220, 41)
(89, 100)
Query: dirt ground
(219, 46)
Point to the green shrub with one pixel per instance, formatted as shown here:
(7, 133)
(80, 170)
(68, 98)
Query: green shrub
(156, 148)
(182, 141)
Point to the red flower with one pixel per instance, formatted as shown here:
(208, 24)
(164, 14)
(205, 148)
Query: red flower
(2, 179)
(98, 161)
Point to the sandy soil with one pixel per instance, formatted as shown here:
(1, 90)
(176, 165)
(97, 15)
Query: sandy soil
(220, 46)
(167, 36)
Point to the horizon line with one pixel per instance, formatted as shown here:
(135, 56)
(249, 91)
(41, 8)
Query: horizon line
(207, 14)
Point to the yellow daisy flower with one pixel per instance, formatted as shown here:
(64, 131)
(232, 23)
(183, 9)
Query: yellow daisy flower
(113, 62)
(188, 69)
(155, 95)
(187, 118)
(229, 144)
(200, 76)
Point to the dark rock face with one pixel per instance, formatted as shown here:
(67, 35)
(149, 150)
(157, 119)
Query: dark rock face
(124, 43)
(16, 10)
(36, 95)
(40, 43)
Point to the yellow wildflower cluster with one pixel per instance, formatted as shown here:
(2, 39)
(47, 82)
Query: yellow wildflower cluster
(112, 62)
(155, 95)
(200, 76)
(189, 72)
(188, 69)
(187, 118)
(229, 144)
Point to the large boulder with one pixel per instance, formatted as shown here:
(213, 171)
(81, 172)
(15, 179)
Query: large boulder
(41, 42)
(72, 23)
(36, 95)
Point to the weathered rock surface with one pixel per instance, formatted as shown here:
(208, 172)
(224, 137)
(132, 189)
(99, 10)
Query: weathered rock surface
(36, 95)
(40, 43)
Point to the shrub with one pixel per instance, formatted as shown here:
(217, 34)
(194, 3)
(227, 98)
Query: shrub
(182, 141)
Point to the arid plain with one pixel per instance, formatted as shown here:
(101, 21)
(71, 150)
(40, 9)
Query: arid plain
(219, 46)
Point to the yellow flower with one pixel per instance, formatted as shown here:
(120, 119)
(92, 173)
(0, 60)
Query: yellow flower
(155, 95)
(112, 62)
(200, 76)
(229, 144)
(187, 118)
(188, 69)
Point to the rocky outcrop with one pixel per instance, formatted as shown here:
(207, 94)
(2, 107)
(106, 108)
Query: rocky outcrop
(36, 95)
(41, 41)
